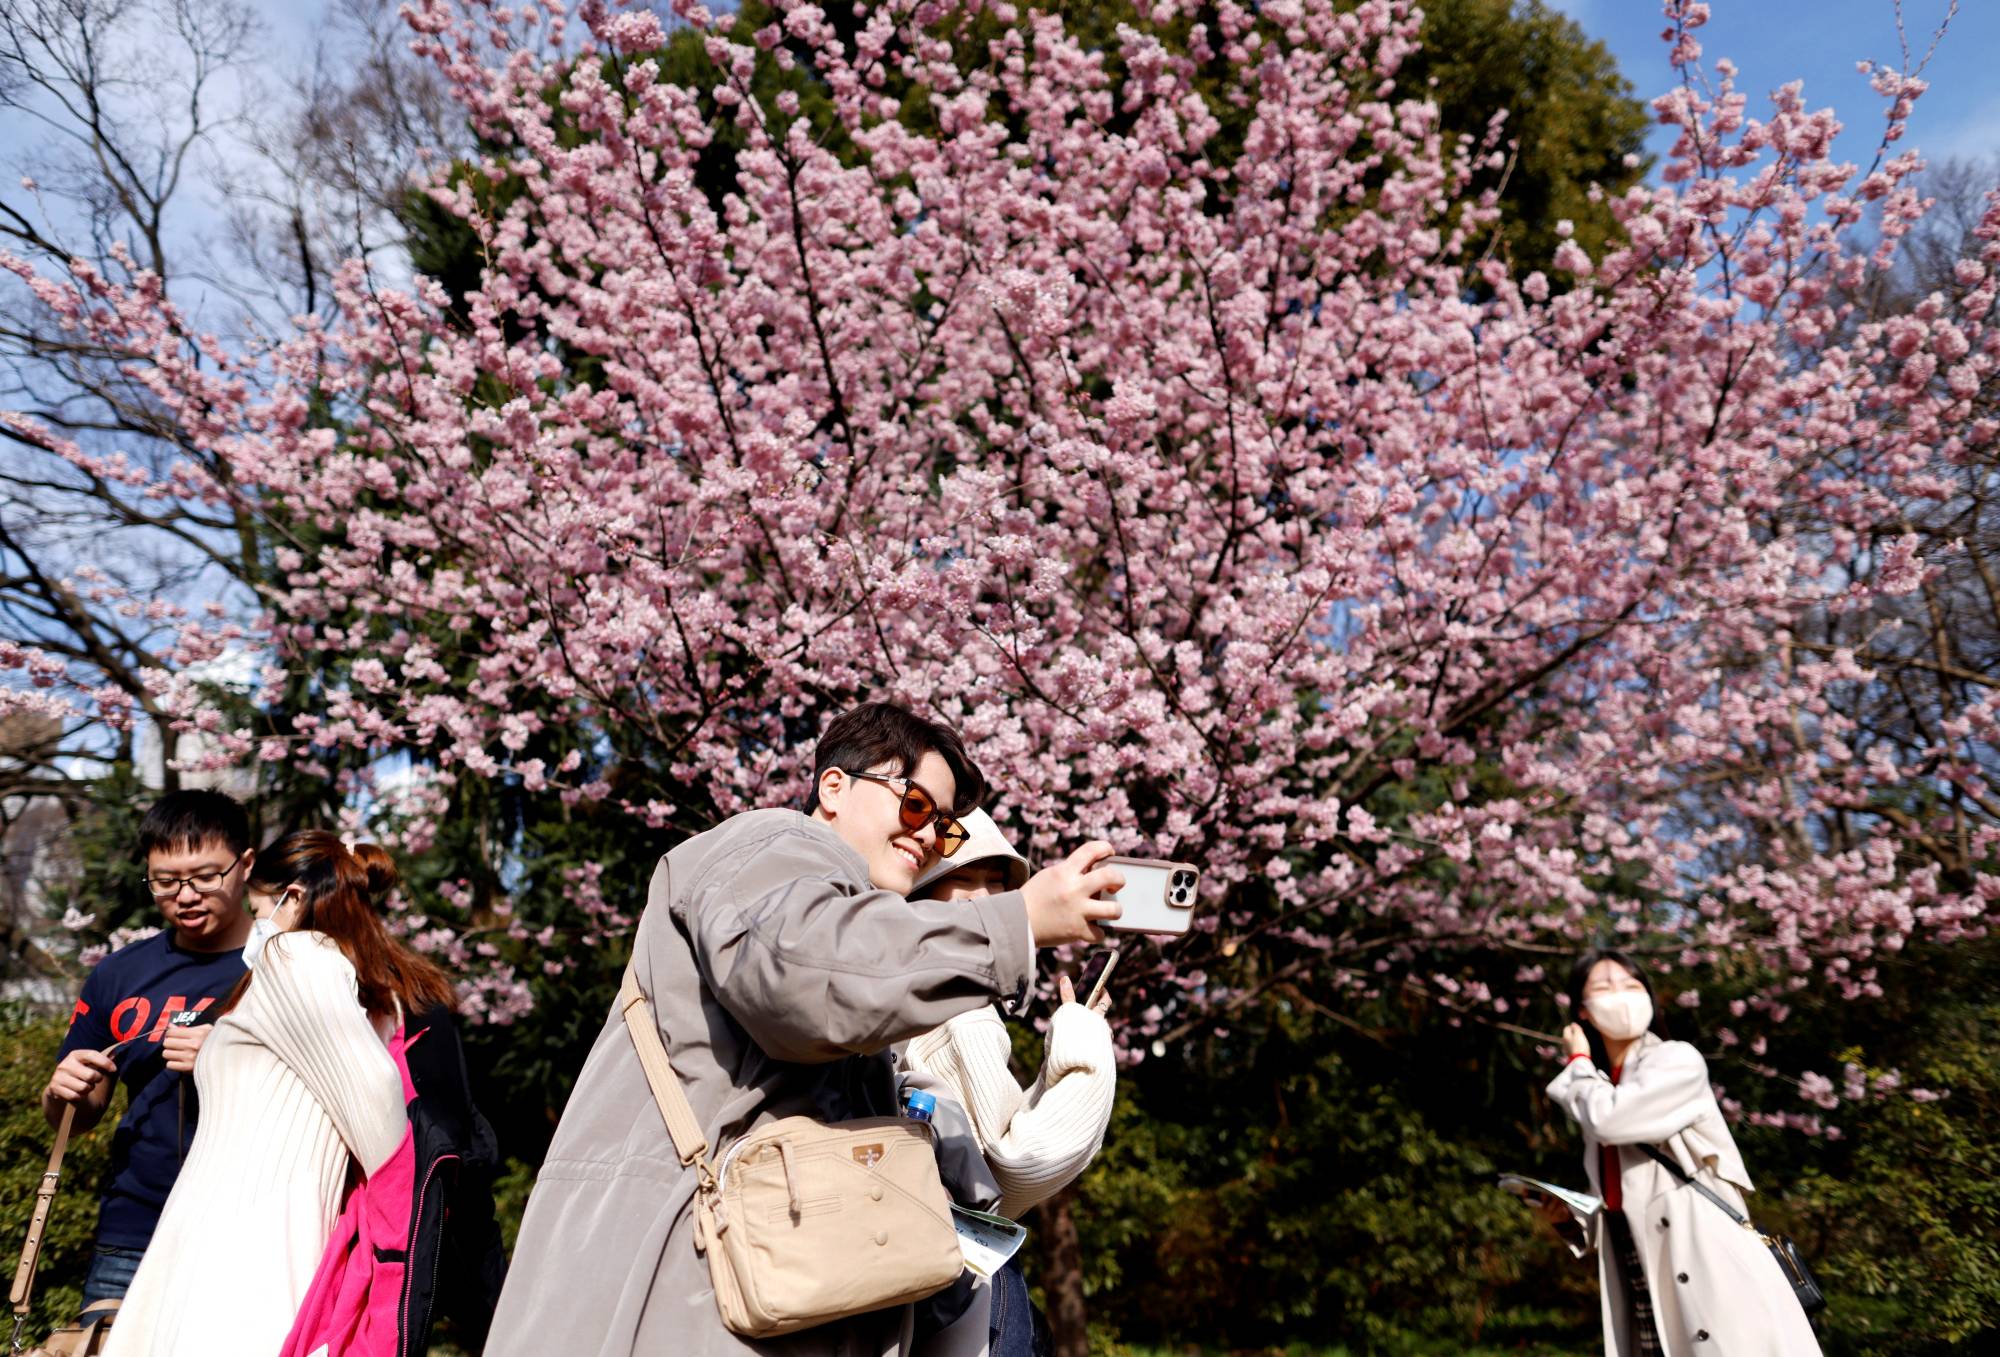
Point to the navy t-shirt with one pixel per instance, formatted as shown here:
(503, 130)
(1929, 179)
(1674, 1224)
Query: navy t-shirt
(132, 993)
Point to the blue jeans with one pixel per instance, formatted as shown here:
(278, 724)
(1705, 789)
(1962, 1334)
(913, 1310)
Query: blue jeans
(110, 1274)
(1011, 1325)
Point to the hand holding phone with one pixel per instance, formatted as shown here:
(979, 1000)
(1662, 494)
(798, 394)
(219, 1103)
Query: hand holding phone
(1070, 901)
(1096, 972)
(1157, 896)
(1092, 981)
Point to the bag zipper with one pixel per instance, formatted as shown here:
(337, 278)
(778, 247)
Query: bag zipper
(729, 1158)
(743, 1143)
(409, 1255)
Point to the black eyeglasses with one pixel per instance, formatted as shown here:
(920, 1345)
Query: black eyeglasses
(920, 808)
(204, 883)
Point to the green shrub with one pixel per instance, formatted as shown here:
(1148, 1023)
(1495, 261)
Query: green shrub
(1906, 1223)
(1289, 1191)
(28, 1043)
(1331, 1185)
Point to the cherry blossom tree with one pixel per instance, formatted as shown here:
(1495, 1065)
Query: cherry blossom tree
(127, 137)
(1236, 500)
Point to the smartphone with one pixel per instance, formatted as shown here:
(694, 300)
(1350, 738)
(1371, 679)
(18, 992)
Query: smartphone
(1158, 896)
(1096, 971)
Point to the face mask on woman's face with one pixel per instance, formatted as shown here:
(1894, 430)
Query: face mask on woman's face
(1622, 1015)
(275, 914)
(261, 932)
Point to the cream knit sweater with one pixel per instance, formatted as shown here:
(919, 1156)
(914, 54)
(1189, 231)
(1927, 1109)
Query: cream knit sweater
(1039, 1139)
(292, 1082)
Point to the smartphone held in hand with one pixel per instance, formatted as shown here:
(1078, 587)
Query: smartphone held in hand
(1158, 896)
(1096, 974)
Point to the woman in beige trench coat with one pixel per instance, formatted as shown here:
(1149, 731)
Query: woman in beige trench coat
(1677, 1275)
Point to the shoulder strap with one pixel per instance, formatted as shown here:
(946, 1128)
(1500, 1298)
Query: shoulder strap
(1697, 1184)
(682, 1126)
(23, 1292)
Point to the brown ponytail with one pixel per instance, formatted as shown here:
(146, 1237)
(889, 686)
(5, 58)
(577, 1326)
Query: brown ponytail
(344, 893)
(383, 878)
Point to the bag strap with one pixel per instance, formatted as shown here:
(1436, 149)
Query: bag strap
(668, 1094)
(23, 1293)
(1697, 1184)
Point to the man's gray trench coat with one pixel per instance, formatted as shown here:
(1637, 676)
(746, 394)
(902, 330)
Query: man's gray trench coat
(1717, 1292)
(779, 977)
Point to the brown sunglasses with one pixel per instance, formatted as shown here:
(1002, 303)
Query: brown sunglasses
(919, 808)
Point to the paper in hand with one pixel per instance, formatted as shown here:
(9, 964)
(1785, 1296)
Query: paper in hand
(1532, 1189)
(986, 1240)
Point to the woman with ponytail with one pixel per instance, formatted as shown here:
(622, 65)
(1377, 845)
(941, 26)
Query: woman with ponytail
(431, 1205)
(300, 1094)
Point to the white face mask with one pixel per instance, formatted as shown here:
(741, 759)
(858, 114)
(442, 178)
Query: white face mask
(1622, 1015)
(261, 932)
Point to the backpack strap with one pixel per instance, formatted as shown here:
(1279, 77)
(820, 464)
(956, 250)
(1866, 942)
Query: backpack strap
(668, 1094)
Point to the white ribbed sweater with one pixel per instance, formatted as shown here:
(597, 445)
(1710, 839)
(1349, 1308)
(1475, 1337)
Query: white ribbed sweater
(291, 1082)
(1039, 1139)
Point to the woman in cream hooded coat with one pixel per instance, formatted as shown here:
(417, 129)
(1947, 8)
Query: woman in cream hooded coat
(1678, 1276)
(1035, 1140)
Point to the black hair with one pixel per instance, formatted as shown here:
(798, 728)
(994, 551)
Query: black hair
(1579, 976)
(874, 733)
(184, 821)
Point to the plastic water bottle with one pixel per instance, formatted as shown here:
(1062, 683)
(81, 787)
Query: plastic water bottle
(919, 1105)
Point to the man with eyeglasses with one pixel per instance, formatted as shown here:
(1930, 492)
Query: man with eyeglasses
(782, 961)
(196, 849)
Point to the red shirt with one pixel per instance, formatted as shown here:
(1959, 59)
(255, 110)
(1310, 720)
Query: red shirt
(1610, 1169)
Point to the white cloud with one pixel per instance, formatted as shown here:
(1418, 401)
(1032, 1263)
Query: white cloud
(1972, 135)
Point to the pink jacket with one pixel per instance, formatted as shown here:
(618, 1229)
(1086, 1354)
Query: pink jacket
(353, 1306)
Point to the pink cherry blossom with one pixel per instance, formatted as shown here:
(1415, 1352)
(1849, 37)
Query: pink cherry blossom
(1239, 510)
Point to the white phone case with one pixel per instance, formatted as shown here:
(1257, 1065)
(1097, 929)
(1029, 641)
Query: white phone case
(1158, 896)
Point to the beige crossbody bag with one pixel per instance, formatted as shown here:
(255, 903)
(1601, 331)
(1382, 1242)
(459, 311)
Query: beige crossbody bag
(804, 1222)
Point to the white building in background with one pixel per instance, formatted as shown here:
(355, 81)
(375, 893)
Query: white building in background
(31, 856)
(35, 855)
(238, 670)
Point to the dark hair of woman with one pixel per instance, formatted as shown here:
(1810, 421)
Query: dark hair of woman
(383, 878)
(1579, 976)
(344, 892)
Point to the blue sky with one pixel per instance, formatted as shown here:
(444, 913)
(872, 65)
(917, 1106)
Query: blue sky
(1773, 42)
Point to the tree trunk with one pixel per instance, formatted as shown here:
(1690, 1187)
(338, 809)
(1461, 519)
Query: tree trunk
(1062, 1277)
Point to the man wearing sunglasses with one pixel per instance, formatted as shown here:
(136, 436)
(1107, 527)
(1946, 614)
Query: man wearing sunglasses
(782, 960)
(195, 851)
